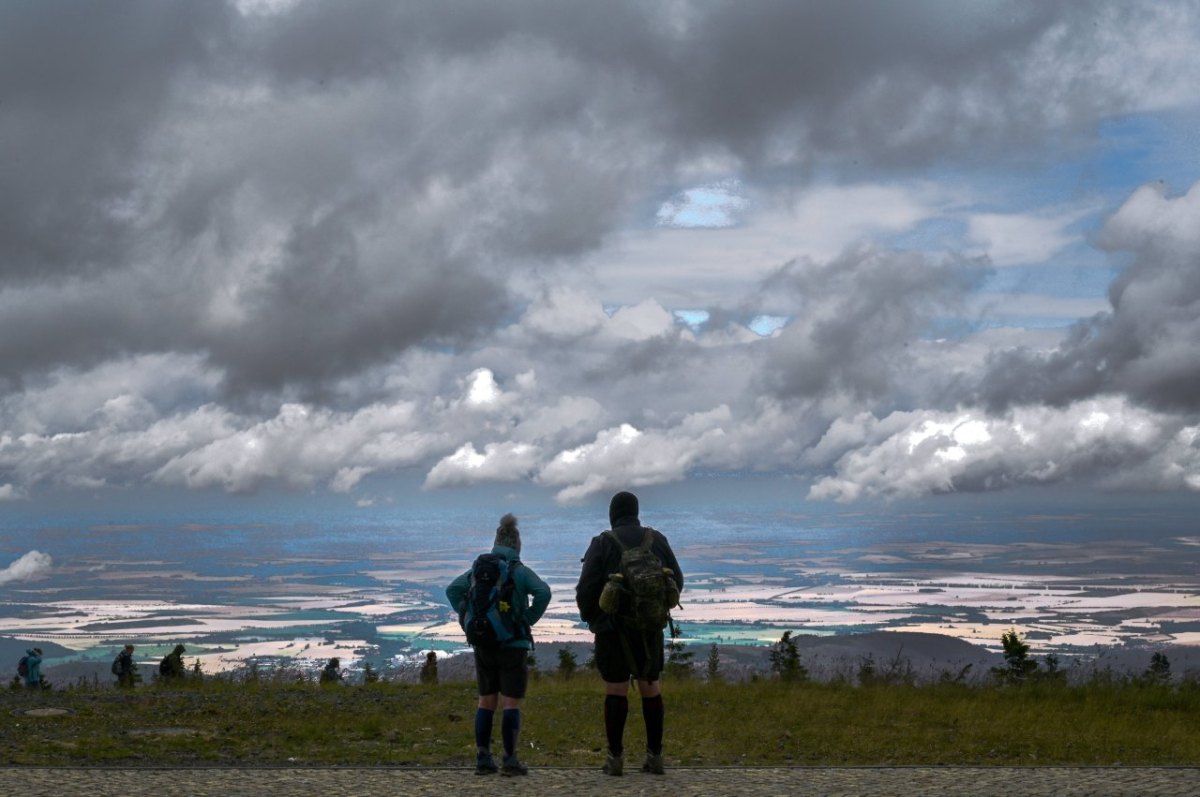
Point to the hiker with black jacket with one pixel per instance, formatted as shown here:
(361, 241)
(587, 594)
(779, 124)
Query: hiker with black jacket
(171, 667)
(125, 668)
(498, 601)
(628, 628)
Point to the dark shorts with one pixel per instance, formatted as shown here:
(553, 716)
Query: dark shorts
(646, 650)
(501, 670)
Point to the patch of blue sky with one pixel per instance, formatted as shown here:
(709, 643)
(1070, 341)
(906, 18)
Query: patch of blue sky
(1067, 278)
(958, 328)
(761, 325)
(1143, 148)
(950, 328)
(1126, 153)
(939, 234)
(1079, 270)
(766, 325)
(693, 318)
(716, 206)
(1021, 322)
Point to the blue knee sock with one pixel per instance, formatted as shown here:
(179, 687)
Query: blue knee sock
(483, 728)
(510, 729)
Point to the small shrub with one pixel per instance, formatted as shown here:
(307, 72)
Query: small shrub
(250, 674)
(1159, 671)
(1052, 673)
(897, 671)
(785, 660)
(948, 677)
(713, 665)
(679, 658)
(566, 663)
(370, 674)
(1018, 665)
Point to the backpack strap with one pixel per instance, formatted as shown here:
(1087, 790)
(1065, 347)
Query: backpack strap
(647, 540)
(612, 535)
(521, 629)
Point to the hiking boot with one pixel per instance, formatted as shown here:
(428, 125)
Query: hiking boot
(485, 764)
(614, 765)
(653, 763)
(512, 766)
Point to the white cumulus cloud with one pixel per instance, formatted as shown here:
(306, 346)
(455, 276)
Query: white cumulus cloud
(497, 462)
(1010, 239)
(625, 456)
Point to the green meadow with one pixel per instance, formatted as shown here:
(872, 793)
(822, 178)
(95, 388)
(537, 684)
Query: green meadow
(767, 721)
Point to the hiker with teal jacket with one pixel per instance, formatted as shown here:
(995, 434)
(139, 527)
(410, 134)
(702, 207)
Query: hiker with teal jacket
(33, 668)
(498, 600)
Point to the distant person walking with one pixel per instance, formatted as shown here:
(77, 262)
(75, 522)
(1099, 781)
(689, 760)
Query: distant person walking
(125, 668)
(429, 671)
(498, 602)
(332, 673)
(630, 579)
(171, 667)
(32, 674)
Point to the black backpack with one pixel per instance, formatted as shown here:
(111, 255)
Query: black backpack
(23, 666)
(489, 617)
(116, 665)
(164, 666)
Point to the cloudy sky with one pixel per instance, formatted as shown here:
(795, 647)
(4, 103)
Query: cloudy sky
(360, 248)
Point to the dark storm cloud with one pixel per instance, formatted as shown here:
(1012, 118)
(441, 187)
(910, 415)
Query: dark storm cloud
(236, 185)
(82, 85)
(88, 322)
(856, 316)
(1145, 348)
(301, 195)
(797, 80)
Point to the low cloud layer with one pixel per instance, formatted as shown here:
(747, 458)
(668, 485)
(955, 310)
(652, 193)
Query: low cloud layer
(314, 245)
(1107, 442)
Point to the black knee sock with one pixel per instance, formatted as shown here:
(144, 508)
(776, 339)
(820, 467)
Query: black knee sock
(653, 712)
(510, 730)
(616, 709)
(483, 728)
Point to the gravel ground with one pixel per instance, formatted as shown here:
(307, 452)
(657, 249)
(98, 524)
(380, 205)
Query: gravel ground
(710, 782)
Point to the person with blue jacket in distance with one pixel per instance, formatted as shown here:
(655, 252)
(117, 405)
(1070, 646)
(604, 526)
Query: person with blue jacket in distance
(500, 669)
(33, 675)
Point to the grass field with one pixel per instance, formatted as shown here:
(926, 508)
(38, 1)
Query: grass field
(215, 721)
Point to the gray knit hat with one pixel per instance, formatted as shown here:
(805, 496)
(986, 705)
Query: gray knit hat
(508, 534)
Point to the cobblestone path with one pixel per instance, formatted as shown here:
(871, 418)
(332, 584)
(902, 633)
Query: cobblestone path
(366, 782)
